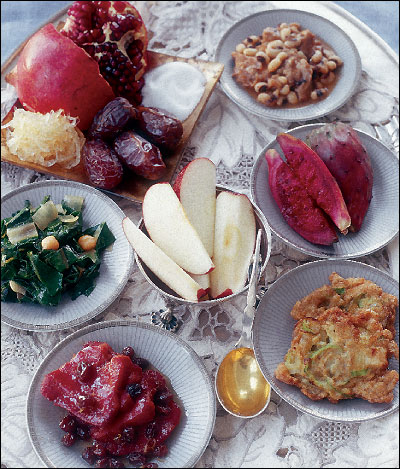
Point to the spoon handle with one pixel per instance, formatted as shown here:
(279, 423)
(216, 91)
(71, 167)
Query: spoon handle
(249, 311)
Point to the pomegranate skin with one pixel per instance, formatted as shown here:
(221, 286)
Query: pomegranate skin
(53, 73)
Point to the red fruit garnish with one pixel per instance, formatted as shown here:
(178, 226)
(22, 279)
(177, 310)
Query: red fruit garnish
(113, 33)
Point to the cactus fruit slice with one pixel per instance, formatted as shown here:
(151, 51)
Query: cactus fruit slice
(340, 148)
(296, 206)
(316, 178)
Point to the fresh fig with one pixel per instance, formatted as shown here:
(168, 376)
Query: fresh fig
(53, 73)
(296, 206)
(339, 147)
(316, 178)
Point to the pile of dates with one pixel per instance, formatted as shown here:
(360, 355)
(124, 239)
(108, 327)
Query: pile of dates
(126, 137)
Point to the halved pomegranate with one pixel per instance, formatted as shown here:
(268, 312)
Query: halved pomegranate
(53, 73)
(113, 33)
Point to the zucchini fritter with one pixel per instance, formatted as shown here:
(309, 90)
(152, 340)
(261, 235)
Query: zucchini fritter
(338, 355)
(354, 296)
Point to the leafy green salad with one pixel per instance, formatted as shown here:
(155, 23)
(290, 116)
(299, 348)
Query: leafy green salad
(45, 252)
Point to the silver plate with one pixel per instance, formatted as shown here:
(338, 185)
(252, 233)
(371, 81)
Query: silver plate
(381, 223)
(273, 327)
(116, 263)
(343, 46)
(166, 352)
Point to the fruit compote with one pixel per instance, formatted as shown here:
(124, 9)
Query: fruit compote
(115, 400)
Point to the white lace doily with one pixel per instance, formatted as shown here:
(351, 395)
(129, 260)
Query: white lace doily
(281, 436)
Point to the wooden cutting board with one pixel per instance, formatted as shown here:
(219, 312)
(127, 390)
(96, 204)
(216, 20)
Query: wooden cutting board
(132, 187)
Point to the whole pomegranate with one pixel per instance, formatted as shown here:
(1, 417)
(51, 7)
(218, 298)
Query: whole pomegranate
(113, 33)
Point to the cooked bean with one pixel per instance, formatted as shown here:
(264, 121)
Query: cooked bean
(285, 90)
(285, 33)
(260, 87)
(263, 98)
(240, 47)
(277, 62)
(262, 57)
(292, 43)
(282, 79)
(250, 52)
(317, 57)
(331, 64)
(292, 98)
(274, 48)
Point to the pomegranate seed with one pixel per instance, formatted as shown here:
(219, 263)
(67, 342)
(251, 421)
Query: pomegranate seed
(68, 424)
(128, 351)
(83, 432)
(137, 458)
(99, 450)
(68, 439)
(88, 455)
(129, 434)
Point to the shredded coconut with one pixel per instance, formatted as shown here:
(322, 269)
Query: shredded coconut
(175, 87)
(45, 139)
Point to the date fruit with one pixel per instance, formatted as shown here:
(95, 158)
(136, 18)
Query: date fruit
(162, 129)
(139, 155)
(112, 119)
(101, 164)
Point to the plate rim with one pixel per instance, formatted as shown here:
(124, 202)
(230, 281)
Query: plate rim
(257, 351)
(33, 438)
(115, 293)
(345, 98)
(293, 244)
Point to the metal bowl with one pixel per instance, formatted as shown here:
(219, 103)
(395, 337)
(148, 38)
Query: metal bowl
(265, 250)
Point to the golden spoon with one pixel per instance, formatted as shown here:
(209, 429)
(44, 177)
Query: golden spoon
(241, 388)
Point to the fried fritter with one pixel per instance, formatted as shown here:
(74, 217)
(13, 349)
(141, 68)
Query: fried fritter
(341, 356)
(354, 296)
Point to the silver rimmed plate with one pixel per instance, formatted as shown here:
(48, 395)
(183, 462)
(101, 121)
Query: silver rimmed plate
(273, 328)
(116, 263)
(330, 33)
(176, 360)
(381, 223)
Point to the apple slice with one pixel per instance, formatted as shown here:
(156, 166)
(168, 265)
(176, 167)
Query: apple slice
(235, 235)
(203, 281)
(163, 266)
(169, 228)
(195, 188)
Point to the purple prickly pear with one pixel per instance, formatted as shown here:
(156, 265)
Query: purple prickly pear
(319, 183)
(296, 206)
(340, 148)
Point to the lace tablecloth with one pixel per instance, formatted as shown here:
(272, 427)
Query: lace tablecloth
(281, 436)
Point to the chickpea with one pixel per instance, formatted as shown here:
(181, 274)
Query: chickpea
(50, 242)
(87, 242)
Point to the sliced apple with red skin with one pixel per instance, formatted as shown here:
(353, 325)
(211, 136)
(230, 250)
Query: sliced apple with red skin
(235, 235)
(163, 266)
(169, 228)
(195, 187)
(53, 73)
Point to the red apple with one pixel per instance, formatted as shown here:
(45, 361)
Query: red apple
(162, 265)
(195, 188)
(169, 228)
(53, 73)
